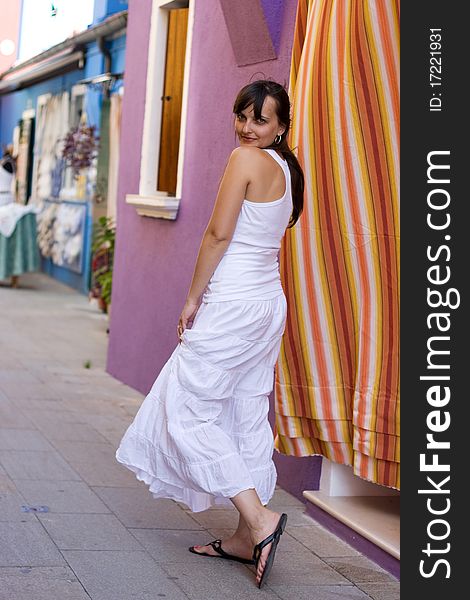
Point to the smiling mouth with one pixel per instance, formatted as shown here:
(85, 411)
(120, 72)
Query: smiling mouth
(247, 138)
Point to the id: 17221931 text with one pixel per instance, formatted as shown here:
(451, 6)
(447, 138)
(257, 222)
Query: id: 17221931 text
(435, 69)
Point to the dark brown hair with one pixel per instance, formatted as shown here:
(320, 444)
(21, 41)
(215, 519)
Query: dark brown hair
(255, 94)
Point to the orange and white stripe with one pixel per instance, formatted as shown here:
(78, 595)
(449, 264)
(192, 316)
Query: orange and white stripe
(337, 378)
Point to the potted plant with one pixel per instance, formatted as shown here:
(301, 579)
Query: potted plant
(104, 236)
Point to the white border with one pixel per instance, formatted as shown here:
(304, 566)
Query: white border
(41, 101)
(149, 202)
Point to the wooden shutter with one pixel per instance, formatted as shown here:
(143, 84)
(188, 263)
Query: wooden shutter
(172, 99)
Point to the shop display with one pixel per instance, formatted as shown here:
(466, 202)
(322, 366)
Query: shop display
(61, 234)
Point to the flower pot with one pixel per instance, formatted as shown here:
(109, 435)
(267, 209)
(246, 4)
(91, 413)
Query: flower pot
(102, 304)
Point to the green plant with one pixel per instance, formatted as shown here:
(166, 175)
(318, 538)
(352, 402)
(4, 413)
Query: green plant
(104, 236)
(105, 279)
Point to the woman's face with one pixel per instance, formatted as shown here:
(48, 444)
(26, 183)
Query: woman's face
(259, 133)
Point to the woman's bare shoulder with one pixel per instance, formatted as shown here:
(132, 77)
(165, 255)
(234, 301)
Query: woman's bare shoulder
(248, 153)
(247, 158)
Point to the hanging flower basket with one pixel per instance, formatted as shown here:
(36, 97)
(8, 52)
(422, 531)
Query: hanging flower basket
(80, 148)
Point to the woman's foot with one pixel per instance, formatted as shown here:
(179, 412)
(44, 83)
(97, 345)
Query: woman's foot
(259, 521)
(268, 523)
(236, 545)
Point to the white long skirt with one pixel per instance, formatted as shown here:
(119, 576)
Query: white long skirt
(202, 434)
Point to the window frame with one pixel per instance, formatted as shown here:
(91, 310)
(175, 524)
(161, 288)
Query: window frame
(149, 201)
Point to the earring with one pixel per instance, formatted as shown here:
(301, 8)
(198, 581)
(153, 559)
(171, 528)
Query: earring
(277, 139)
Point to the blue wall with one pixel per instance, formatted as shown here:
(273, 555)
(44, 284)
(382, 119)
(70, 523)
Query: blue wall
(12, 105)
(95, 66)
(105, 8)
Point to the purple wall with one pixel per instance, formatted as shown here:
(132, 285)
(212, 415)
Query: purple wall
(273, 13)
(248, 31)
(154, 257)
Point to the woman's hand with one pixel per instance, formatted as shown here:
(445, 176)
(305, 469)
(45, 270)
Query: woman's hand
(187, 314)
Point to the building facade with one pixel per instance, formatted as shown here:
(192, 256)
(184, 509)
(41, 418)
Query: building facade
(74, 83)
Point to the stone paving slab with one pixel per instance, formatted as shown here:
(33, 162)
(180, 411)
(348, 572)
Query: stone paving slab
(25, 464)
(40, 583)
(297, 517)
(92, 406)
(10, 506)
(71, 432)
(320, 541)
(88, 532)
(49, 404)
(170, 545)
(108, 423)
(6, 483)
(62, 496)
(137, 508)
(27, 544)
(13, 374)
(74, 451)
(104, 473)
(43, 419)
(382, 591)
(113, 437)
(322, 592)
(122, 576)
(13, 418)
(15, 439)
(27, 390)
(217, 579)
(359, 569)
(303, 566)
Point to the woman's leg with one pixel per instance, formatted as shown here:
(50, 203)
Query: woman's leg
(255, 523)
(239, 544)
(258, 520)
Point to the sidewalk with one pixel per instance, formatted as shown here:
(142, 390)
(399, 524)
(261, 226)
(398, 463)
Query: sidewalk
(75, 525)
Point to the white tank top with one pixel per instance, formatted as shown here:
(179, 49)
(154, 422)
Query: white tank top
(249, 269)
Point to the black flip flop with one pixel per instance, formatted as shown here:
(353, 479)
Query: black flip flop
(217, 546)
(271, 539)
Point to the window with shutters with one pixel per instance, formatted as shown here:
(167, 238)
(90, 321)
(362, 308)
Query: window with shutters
(165, 110)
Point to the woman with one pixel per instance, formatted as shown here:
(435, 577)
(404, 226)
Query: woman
(202, 436)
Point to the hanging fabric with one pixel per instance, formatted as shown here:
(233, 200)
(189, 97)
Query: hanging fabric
(337, 378)
(51, 127)
(114, 137)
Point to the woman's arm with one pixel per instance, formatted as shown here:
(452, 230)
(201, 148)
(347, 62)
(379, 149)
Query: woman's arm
(219, 231)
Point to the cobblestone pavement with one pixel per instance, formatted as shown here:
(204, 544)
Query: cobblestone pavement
(75, 524)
